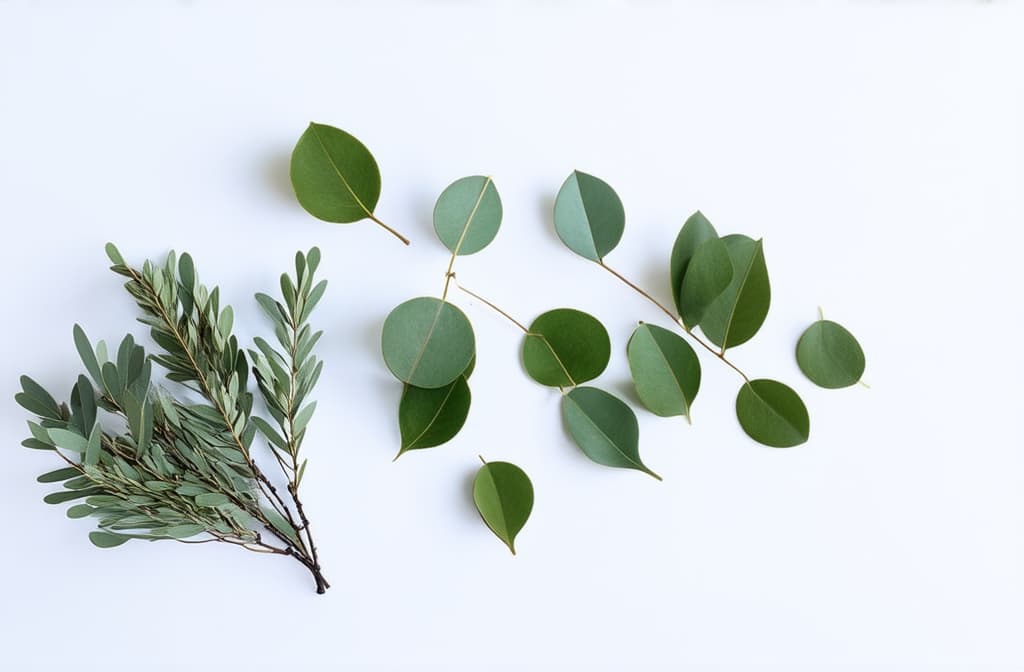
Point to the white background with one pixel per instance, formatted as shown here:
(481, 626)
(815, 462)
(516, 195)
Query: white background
(877, 148)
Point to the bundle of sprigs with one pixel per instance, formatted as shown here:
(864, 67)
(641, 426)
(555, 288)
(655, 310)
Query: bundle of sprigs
(160, 463)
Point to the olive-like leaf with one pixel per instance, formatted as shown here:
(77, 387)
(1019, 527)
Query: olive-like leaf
(59, 475)
(604, 428)
(665, 370)
(736, 315)
(708, 274)
(772, 413)
(589, 217)
(829, 355)
(503, 495)
(467, 214)
(566, 347)
(107, 539)
(335, 177)
(695, 231)
(427, 342)
(431, 417)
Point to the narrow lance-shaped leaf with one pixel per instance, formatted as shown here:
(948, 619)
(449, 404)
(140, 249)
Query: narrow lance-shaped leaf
(604, 428)
(589, 217)
(829, 355)
(467, 214)
(503, 495)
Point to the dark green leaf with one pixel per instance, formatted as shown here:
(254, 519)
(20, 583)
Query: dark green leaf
(829, 355)
(772, 413)
(503, 495)
(427, 342)
(68, 495)
(431, 417)
(695, 231)
(736, 315)
(665, 370)
(107, 539)
(565, 347)
(604, 428)
(467, 214)
(708, 274)
(334, 175)
(589, 217)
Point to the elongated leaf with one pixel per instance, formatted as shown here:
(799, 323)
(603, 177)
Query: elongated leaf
(604, 428)
(107, 539)
(212, 499)
(183, 531)
(565, 347)
(80, 511)
(335, 177)
(708, 274)
(829, 355)
(59, 475)
(695, 231)
(427, 342)
(736, 315)
(88, 355)
(467, 214)
(92, 448)
(68, 440)
(589, 217)
(46, 405)
(431, 417)
(665, 370)
(503, 495)
(68, 495)
(772, 413)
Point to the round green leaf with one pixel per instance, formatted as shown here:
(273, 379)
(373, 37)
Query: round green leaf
(665, 370)
(334, 175)
(427, 342)
(107, 539)
(739, 311)
(467, 214)
(695, 231)
(504, 497)
(566, 347)
(430, 417)
(604, 428)
(829, 355)
(772, 413)
(588, 216)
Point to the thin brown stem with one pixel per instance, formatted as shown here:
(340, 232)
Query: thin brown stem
(494, 308)
(387, 228)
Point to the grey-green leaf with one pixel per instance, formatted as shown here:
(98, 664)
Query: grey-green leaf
(503, 495)
(431, 417)
(565, 347)
(107, 539)
(736, 315)
(212, 499)
(665, 370)
(695, 231)
(708, 274)
(467, 214)
(829, 355)
(334, 175)
(427, 342)
(589, 217)
(604, 428)
(772, 413)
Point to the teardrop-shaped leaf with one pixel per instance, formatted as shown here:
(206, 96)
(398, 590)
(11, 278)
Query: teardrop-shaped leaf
(736, 315)
(604, 428)
(334, 175)
(589, 217)
(566, 347)
(665, 370)
(467, 214)
(772, 413)
(431, 417)
(427, 342)
(695, 231)
(708, 274)
(503, 495)
(107, 539)
(829, 355)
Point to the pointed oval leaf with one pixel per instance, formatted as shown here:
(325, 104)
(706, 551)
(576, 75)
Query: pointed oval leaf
(566, 347)
(59, 475)
(708, 274)
(503, 495)
(589, 217)
(736, 315)
(107, 539)
(604, 428)
(829, 355)
(212, 499)
(695, 231)
(467, 214)
(431, 417)
(665, 370)
(772, 413)
(335, 177)
(427, 342)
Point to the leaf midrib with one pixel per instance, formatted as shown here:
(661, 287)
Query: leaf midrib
(639, 465)
(739, 292)
(337, 171)
(472, 214)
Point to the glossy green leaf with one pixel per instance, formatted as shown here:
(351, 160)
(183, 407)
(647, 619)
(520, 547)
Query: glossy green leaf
(665, 370)
(334, 175)
(708, 274)
(604, 428)
(467, 214)
(107, 539)
(589, 217)
(427, 342)
(772, 413)
(431, 417)
(736, 315)
(829, 355)
(503, 495)
(566, 347)
(696, 230)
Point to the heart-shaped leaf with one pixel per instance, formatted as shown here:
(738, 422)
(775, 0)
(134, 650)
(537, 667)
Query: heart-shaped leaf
(589, 217)
(708, 274)
(695, 231)
(566, 347)
(427, 342)
(665, 370)
(467, 214)
(604, 428)
(736, 315)
(772, 413)
(334, 175)
(430, 417)
(503, 495)
(829, 355)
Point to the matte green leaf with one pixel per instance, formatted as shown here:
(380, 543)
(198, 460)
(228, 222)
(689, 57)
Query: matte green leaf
(280, 523)
(183, 531)
(334, 175)
(467, 214)
(829, 355)
(665, 370)
(589, 217)
(107, 539)
(431, 417)
(604, 428)
(736, 315)
(80, 511)
(708, 274)
(427, 342)
(503, 495)
(68, 495)
(46, 402)
(695, 231)
(565, 347)
(772, 413)
(68, 440)
(87, 354)
(59, 475)
(212, 499)
(92, 447)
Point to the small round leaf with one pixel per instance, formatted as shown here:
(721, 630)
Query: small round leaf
(334, 175)
(695, 231)
(427, 342)
(829, 355)
(589, 217)
(566, 347)
(772, 413)
(738, 312)
(604, 428)
(467, 214)
(665, 370)
(430, 417)
(503, 495)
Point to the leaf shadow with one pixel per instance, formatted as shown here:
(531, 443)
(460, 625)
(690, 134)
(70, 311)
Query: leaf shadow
(545, 212)
(423, 213)
(625, 390)
(466, 497)
(276, 174)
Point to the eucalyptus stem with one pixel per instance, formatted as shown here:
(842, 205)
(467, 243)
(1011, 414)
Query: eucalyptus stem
(387, 228)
